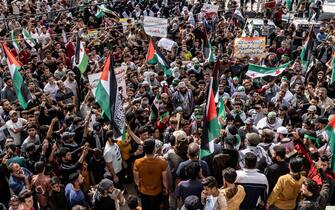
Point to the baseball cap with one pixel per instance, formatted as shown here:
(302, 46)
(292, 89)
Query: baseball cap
(191, 202)
(12, 112)
(105, 184)
(311, 108)
(179, 135)
(249, 120)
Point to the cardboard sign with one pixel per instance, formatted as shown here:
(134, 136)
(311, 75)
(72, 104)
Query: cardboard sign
(249, 46)
(120, 74)
(210, 8)
(155, 26)
(124, 22)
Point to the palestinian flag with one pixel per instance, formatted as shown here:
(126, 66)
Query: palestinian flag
(154, 56)
(16, 44)
(256, 71)
(81, 58)
(331, 64)
(14, 69)
(155, 109)
(208, 50)
(222, 111)
(288, 4)
(28, 39)
(306, 51)
(211, 129)
(109, 98)
(330, 128)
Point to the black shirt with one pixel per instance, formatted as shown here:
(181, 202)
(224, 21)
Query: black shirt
(274, 171)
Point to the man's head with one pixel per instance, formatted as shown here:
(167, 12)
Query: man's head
(210, 185)
(323, 162)
(26, 199)
(271, 117)
(309, 188)
(295, 165)
(31, 129)
(250, 160)
(76, 179)
(192, 170)
(65, 154)
(143, 133)
(253, 139)
(193, 150)
(39, 167)
(149, 147)
(278, 153)
(229, 175)
(55, 184)
(105, 186)
(13, 116)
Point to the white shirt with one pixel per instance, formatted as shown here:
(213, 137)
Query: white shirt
(112, 155)
(72, 86)
(11, 125)
(51, 89)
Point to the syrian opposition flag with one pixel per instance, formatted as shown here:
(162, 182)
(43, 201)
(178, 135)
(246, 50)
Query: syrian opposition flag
(14, 69)
(102, 10)
(109, 98)
(239, 16)
(208, 50)
(256, 71)
(154, 56)
(81, 58)
(28, 39)
(306, 51)
(16, 44)
(211, 129)
(330, 128)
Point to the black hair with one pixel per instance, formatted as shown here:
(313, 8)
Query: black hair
(324, 158)
(192, 170)
(229, 175)
(296, 165)
(73, 177)
(24, 194)
(109, 134)
(142, 130)
(39, 166)
(149, 146)
(311, 186)
(209, 181)
(250, 160)
(280, 151)
(132, 201)
(62, 152)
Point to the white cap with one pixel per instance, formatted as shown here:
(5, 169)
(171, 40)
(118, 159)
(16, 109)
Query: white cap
(282, 130)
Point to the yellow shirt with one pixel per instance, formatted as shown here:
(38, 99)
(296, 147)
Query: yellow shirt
(125, 148)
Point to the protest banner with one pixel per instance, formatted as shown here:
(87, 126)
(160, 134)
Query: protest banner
(126, 22)
(249, 46)
(120, 74)
(167, 44)
(155, 26)
(210, 8)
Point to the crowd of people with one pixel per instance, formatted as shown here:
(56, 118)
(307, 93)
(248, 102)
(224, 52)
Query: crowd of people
(274, 150)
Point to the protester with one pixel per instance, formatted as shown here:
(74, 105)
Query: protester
(102, 103)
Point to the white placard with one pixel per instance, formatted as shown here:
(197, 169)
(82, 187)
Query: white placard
(210, 8)
(120, 74)
(167, 44)
(155, 26)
